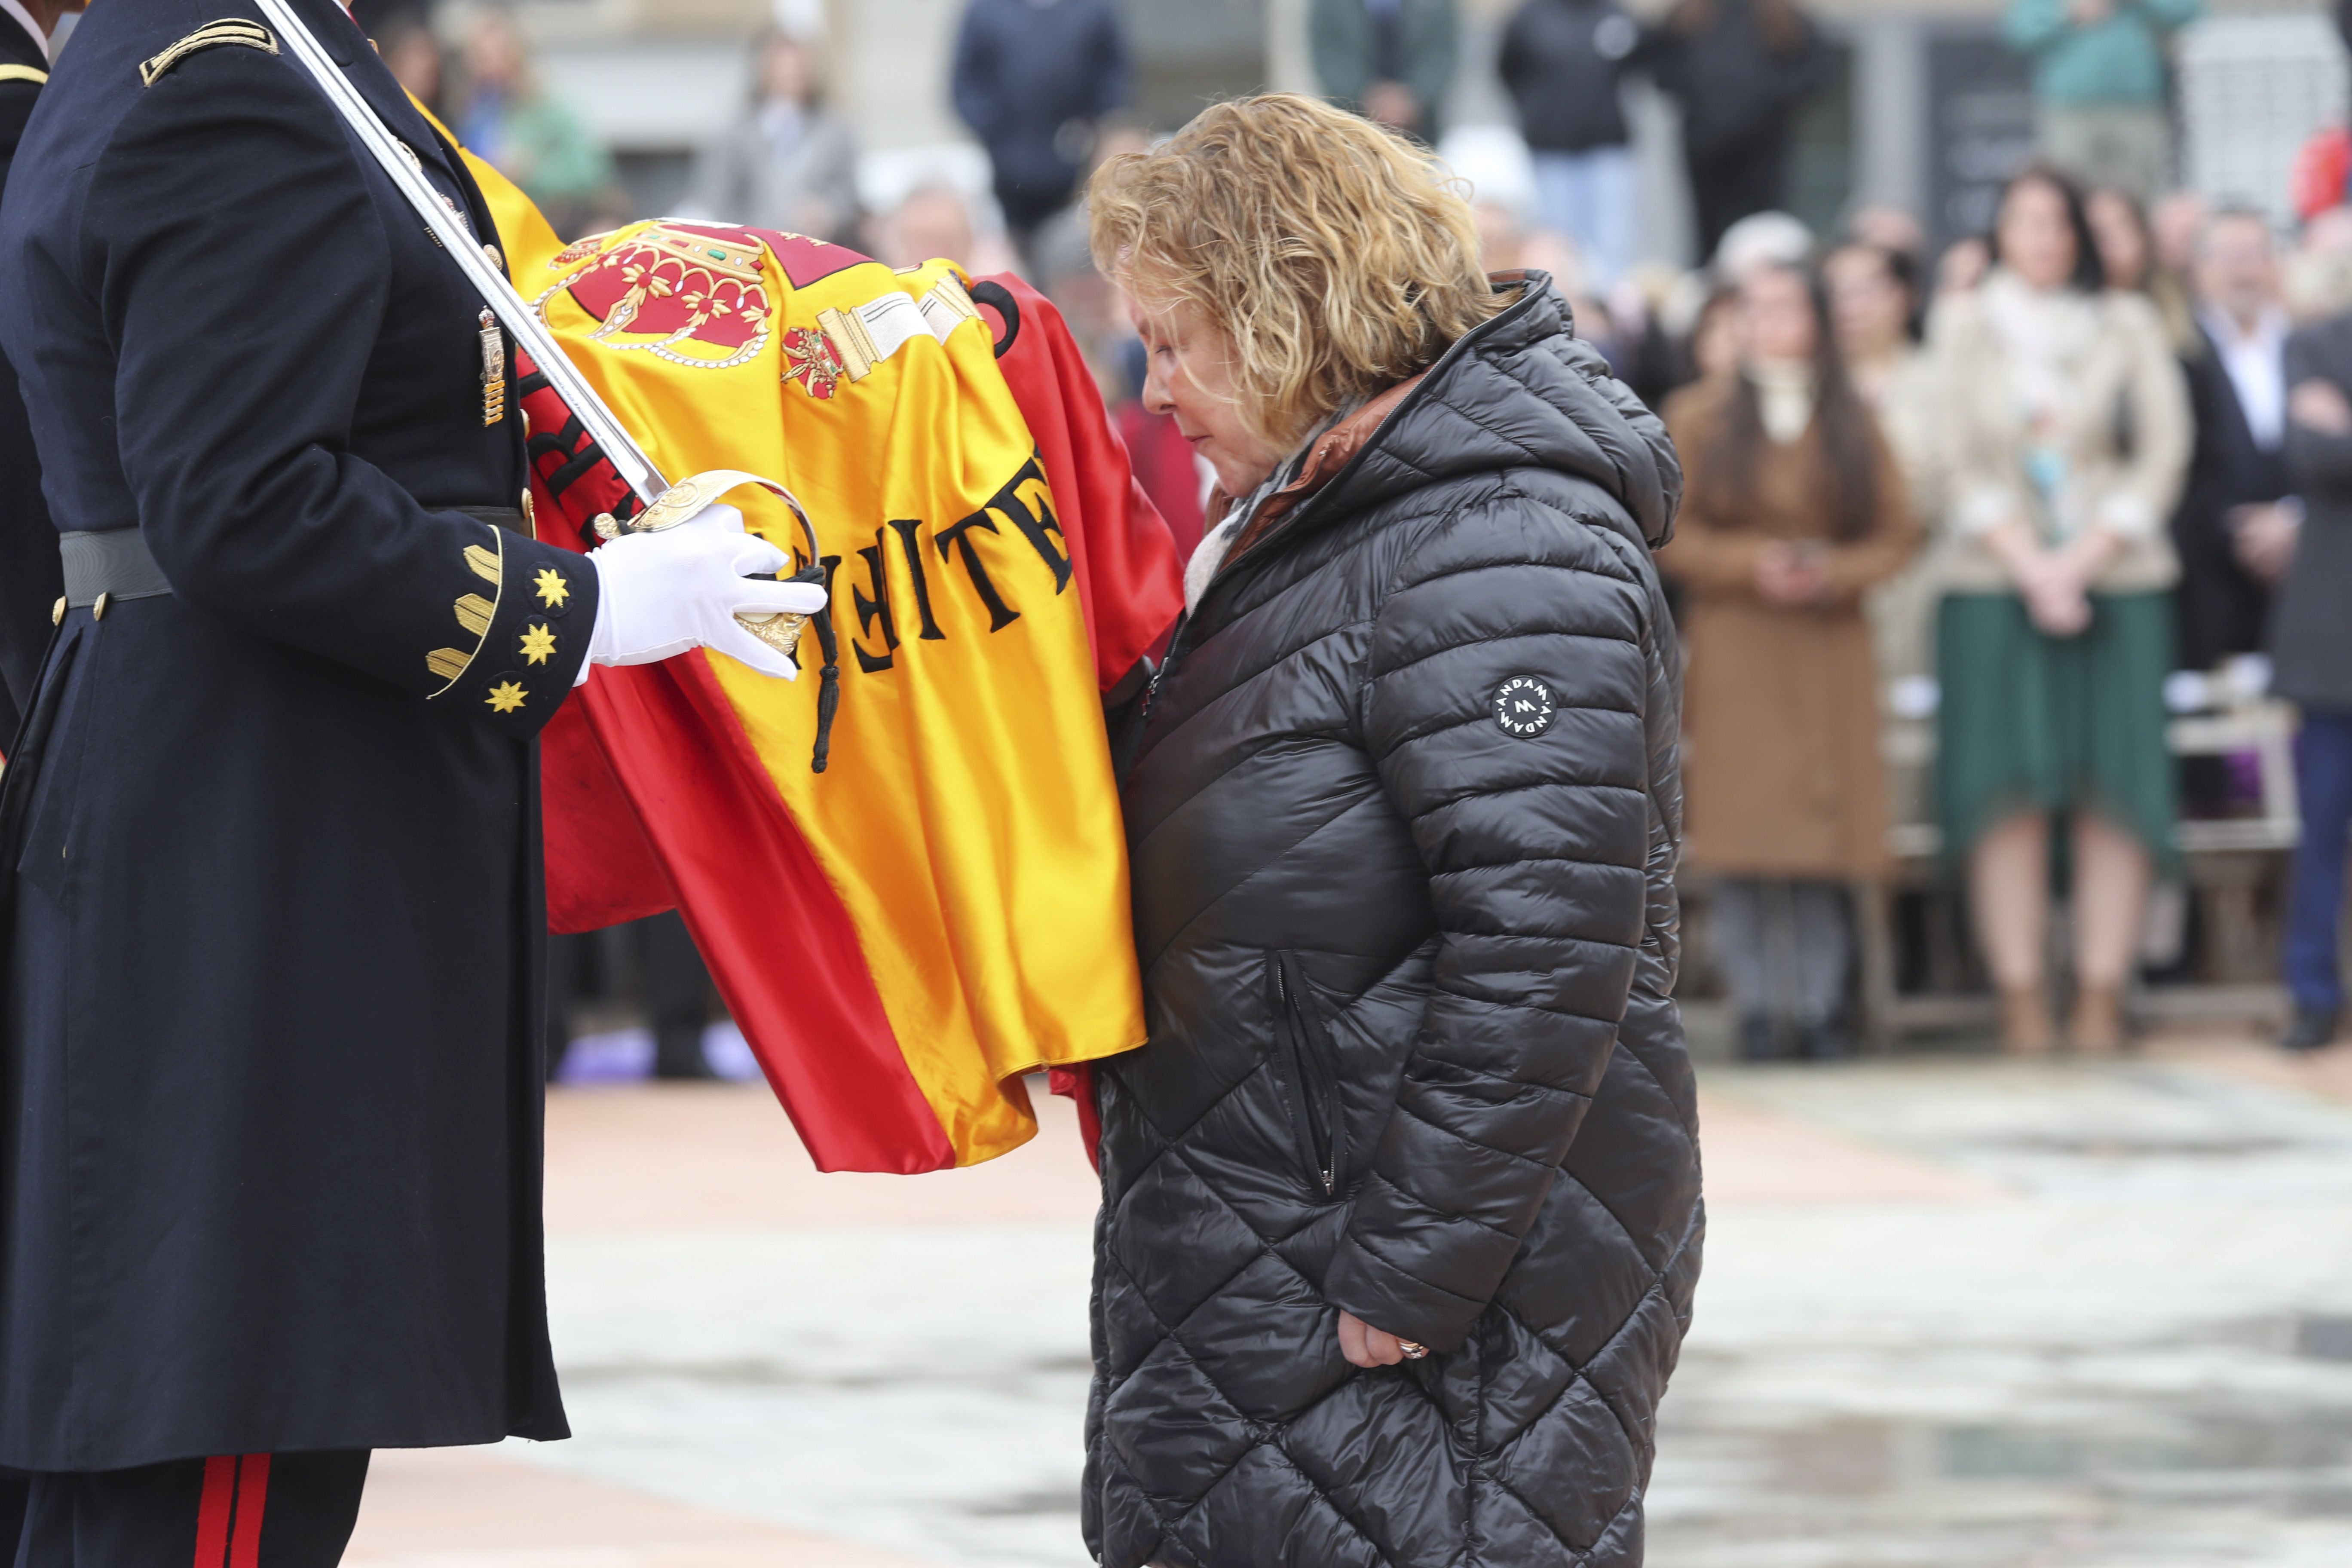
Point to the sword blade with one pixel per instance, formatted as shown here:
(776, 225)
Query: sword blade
(627, 457)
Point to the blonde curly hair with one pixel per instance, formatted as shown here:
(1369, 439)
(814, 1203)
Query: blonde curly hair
(1335, 255)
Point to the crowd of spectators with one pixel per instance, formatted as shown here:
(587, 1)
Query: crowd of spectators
(2097, 454)
(2018, 483)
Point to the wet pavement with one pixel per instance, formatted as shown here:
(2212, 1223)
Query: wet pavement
(1956, 1312)
(2134, 1349)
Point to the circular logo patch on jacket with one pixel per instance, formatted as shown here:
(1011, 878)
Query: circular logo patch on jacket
(1524, 706)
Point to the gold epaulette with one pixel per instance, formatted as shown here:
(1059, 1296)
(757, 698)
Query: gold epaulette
(24, 73)
(212, 34)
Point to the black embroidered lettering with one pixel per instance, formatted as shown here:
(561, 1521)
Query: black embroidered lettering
(1035, 527)
(905, 527)
(959, 539)
(874, 608)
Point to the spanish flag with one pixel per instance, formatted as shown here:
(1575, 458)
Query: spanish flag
(906, 870)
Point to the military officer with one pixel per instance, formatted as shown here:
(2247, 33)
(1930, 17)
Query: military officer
(29, 578)
(269, 1085)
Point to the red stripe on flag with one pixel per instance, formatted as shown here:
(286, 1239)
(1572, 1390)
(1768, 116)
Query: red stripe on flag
(783, 950)
(252, 1501)
(213, 1512)
(1130, 582)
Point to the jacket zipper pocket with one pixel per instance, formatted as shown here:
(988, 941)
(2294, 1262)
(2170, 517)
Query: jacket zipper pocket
(1306, 1066)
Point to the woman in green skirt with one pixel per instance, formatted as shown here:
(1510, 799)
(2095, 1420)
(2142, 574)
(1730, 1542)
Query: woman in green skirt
(2067, 430)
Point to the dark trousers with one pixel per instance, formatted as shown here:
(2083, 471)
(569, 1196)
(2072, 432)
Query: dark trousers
(1786, 945)
(675, 984)
(2322, 772)
(1748, 177)
(254, 1510)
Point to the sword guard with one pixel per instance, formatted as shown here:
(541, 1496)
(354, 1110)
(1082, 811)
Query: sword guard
(690, 495)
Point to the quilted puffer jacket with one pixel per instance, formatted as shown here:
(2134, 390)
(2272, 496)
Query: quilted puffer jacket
(1403, 813)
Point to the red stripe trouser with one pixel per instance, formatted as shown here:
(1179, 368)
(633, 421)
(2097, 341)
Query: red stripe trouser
(249, 1510)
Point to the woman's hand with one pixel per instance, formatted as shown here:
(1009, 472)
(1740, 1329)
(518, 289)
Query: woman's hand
(2320, 405)
(1789, 579)
(2262, 536)
(1367, 1346)
(2051, 581)
(2055, 601)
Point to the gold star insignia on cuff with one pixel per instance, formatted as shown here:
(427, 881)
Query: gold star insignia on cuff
(505, 697)
(538, 642)
(552, 589)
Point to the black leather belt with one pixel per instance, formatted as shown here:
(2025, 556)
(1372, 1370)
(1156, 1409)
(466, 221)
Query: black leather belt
(117, 563)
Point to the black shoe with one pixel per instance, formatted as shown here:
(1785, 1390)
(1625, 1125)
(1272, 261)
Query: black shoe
(677, 1054)
(2309, 1030)
(1827, 1042)
(1759, 1040)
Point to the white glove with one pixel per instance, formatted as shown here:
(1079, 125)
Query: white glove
(662, 593)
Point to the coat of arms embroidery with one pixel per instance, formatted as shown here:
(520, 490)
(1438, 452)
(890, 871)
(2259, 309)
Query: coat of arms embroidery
(811, 360)
(693, 296)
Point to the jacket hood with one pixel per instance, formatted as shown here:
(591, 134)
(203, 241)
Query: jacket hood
(1519, 391)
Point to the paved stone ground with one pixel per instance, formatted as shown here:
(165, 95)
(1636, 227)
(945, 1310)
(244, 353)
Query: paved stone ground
(1956, 1312)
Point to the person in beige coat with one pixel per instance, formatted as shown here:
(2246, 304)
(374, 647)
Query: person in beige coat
(2066, 434)
(1793, 509)
(1874, 296)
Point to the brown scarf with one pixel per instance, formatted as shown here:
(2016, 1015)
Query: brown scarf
(1330, 453)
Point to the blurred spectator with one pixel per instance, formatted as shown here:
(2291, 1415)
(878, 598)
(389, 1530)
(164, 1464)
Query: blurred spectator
(1561, 59)
(2099, 81)
(1963, 266)
(381, 19)
(2173, 225)
(1390, 60)
(2128, 256)
(1760, 240)
(790, 164)
(413, 56)
(1739, 69)
(1171, 473)
(934, 220)
(2066, 431)
(2235, 528)
(535, 140)
(1032, 78)
(662, 968)
(2312, 654)
(1506, 244)
(1653, 359)
(1874, 295)
(1714, 337)
(2321, 168)
(1792, 508)
(2319, 273)
(1891, 228)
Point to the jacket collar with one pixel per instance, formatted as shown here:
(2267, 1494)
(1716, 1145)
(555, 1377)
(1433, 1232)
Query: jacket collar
(21, 43)
(1329, 452)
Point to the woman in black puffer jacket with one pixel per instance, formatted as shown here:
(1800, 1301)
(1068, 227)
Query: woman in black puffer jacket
(1401, 1215)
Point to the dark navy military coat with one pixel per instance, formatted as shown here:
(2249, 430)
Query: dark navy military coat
(29, 556)
(270, 1147)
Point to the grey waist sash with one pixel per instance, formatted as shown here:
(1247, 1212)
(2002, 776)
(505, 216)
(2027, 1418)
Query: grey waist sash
(117, 563)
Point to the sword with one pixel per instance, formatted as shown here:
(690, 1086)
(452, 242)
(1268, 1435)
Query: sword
(666, 505)
(627, 457)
